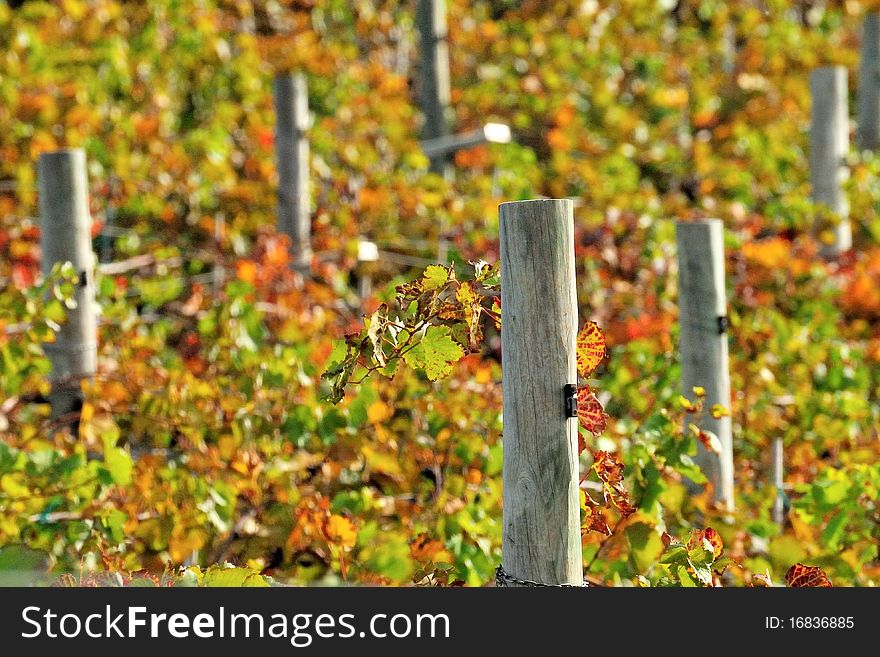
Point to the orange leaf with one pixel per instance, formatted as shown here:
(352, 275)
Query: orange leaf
(246, 270)
(801, 576)
(591, 414)
(424, 548)
(590, 348)
(595, 520)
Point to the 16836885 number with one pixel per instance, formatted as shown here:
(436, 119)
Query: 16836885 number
(821, 622)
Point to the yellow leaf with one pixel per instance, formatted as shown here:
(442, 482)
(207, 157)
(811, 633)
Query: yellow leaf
(378, 412)
(10, 485)
(340, 531)
(87, 412)
(718, 411)
(226, 444)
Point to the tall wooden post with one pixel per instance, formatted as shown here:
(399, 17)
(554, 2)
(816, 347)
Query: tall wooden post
(292, 152)
(829, 141)
(703, 348)
(869, 84)
(434, 92)
(434, 87)
(65, 236)
(777, 468)
(541, 533)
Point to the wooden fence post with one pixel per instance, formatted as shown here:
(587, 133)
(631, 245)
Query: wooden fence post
(829, 140)
(292, 152)
(434, 88)
(777, 468)
(702, 302)
(541, 531)
(65, 236)
(869, 84)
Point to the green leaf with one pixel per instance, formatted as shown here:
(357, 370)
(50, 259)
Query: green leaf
(684, 577)
(116, 460)
(645, 545)
(115, 522)
(21, 566)
(675, 553)
(833, 531)
(119, 465)
(434, 353)
(703, 573)
(216, 576)
(702, 554)
(435, 277)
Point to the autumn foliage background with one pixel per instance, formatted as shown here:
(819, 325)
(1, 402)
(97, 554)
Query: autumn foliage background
(207, 436)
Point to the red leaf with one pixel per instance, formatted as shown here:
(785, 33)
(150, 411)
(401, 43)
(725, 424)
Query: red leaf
(801, 576)
(23, 276)
(590, 348)
(591, 414)
(709, 534)
(595, 520)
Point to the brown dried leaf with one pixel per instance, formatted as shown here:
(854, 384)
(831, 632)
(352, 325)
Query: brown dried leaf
(801, 576)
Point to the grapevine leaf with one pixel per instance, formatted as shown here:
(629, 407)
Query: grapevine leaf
(591, 414)
(435, 277)
(610, 472)
(216, 576)
(592, 515)
(374, 331)
(590, 349)
(801, 576)
(434, 353)
(471, 310)
(707, 539)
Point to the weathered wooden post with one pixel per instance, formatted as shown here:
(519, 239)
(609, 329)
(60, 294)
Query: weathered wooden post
(434, 87)
(292, 152)
(869, 84)
(541, 533)
(777, 469)
(829, 141)
(65, 236)
(702, 303)
(434, 92)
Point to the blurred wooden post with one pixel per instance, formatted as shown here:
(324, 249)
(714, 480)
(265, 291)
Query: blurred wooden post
(65, 236)
(106, 241)
(777, 467)
(541, 531)
(829, 140)
(869, 85)
(434, 88)
(703, 342)
(292, 152)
